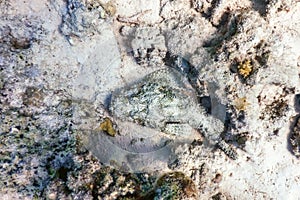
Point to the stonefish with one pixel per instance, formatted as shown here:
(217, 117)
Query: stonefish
(154, 115)
(164, 100)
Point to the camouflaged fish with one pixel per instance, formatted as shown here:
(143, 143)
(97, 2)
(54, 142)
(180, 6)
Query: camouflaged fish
(164, 100)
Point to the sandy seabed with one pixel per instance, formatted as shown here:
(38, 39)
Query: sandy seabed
(60, 61)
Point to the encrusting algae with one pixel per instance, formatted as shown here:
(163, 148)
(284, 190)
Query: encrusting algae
(245, 68)
(241, 103)
(107, 126)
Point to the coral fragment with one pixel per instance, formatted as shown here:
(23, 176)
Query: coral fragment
(107, 126)
(241, 103)
(245, 68)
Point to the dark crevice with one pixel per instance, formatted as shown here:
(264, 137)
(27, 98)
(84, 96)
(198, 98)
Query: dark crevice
(293, 139)
(209, 12)
(261, 6)
(227, 27)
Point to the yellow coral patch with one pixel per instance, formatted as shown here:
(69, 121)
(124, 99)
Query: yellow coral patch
(241, 103)
(109, 8)
(107, 126)
(245, 68)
